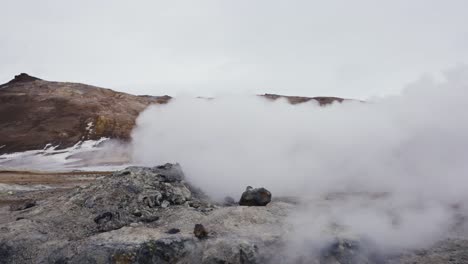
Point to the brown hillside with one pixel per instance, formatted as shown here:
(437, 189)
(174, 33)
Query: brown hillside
(34, 112)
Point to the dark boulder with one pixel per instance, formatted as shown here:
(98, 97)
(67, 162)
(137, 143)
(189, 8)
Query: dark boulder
(255, 197)
(173, 231)
(199, 231)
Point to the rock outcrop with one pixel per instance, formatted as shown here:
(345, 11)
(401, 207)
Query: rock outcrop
(148, 215)
(23, 77)
(140, 215)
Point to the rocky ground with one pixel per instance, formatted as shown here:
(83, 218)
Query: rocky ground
(18, 187)
(143, 215)
(148, 215)
(138, 215)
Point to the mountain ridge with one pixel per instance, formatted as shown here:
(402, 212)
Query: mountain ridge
(35, 112)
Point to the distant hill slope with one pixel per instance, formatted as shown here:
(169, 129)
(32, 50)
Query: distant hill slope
(35, 112)
(322, 100)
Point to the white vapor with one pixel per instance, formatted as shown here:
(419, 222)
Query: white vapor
(394, 167)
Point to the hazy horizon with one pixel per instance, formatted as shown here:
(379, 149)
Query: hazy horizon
(309, 48)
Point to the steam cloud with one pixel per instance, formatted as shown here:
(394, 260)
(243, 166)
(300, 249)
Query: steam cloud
(391, 169)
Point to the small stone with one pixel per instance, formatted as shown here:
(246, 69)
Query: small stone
(173, 231)
(137, 214)
(165, 204)
(89, 203)
(103, 218)
(200, 232)
(194, 204)
(149, 219)
(205, 209)
(134, 224)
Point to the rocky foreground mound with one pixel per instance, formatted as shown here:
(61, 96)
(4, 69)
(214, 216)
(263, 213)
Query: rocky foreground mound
(149, 215)
(152, 215)
(138, 215)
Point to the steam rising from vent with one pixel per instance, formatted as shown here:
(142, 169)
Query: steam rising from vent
(391, 169)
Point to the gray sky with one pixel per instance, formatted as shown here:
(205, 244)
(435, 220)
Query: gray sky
(357, 48)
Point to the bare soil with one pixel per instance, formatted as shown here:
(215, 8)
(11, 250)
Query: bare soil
(51, 184)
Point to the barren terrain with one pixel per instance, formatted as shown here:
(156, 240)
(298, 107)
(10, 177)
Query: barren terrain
(19, 186)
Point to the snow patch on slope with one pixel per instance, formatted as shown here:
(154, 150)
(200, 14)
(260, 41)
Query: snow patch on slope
(84, 155)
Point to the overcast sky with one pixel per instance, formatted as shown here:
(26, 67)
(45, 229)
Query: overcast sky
(356, 48)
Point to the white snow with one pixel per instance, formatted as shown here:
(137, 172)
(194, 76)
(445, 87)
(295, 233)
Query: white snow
(52, 159)
(89, 127)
